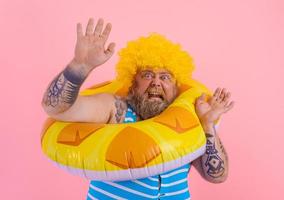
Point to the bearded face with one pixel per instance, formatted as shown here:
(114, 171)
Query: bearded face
(148, 105)
(151, 93)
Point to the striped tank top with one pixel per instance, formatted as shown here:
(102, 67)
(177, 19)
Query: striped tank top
(171, 185)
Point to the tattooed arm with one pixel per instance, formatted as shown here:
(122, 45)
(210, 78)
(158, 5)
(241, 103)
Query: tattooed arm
(213, 165)
(62, 92)
(61, 100)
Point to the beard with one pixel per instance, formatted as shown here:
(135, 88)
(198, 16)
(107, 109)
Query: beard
(146, 107)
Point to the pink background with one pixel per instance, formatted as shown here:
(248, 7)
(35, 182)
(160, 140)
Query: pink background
(236, 44)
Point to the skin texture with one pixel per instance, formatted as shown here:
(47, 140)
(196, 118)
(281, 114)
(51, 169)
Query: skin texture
(152, 91)
(90, 48)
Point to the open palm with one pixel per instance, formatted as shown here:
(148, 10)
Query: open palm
(90, 48)
(211, 110)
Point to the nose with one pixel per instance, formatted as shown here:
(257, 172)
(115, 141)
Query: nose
(156, 82)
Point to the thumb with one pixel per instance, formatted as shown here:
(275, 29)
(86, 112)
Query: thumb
(110, 50)
(201, 98)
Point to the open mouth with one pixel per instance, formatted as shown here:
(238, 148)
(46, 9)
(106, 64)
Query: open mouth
(153, 95)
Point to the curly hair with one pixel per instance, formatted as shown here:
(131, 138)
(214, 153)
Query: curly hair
(153, 52)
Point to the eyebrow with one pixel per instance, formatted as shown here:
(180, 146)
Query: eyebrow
(144, 71)
(166, 73)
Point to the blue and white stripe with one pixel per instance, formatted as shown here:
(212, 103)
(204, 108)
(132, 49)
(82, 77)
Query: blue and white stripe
(171, 185)
(130, 116)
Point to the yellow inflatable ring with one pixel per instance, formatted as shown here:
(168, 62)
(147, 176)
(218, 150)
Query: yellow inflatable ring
(115, 152)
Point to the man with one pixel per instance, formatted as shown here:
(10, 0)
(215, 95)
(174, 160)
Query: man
(154, 87)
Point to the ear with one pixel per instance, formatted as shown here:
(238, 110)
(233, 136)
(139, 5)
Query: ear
(132, 87)
(130, 90)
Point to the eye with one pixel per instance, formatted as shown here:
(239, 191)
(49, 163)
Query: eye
(165, 77)
(147, 75)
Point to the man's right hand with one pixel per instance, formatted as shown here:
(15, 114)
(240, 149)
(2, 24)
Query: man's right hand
(90, 48)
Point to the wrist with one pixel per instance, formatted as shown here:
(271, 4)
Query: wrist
(76, 73)
(80, 67)
(208, 127)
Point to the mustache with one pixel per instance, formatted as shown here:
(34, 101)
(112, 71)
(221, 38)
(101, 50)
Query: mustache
(144, 107)
(156, 94)
(155, 91)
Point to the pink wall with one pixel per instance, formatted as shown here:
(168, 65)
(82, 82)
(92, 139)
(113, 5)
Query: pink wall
(236, 44)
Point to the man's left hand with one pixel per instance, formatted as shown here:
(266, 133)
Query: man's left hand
(208, 111)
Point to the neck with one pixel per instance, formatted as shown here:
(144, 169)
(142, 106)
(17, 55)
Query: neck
(139, 118)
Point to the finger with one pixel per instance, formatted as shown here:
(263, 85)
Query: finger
(110, 50)
(217, 93)
(79, 31)
(222, 95)
(90, 27)
(99, 27)
(201, 98)
(215, 96)
(230, 106)
(227, 97)
(106, 31)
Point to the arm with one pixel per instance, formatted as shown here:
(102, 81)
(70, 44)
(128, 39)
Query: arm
(62, 92)
(61, 100)
(213, 165)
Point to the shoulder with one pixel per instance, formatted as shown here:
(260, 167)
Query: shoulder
(117, 106)
(119, 109)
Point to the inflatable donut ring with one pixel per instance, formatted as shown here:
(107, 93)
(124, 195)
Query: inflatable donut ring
(115, 152)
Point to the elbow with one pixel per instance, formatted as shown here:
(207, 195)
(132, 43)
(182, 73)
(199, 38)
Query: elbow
(48, 109)
(219, 179)
(221, 174)
(45, 107)
(53, 108)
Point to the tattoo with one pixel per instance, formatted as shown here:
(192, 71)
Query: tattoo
(63, 90)
(222, 147)
(214, 162)
(208, 135)
(120, 106)
(74, 77)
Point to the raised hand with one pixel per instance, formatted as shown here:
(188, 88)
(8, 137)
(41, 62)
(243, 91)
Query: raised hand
(90, 48)
(211, 110)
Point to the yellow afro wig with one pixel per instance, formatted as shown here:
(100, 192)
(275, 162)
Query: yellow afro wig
(153, 52)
